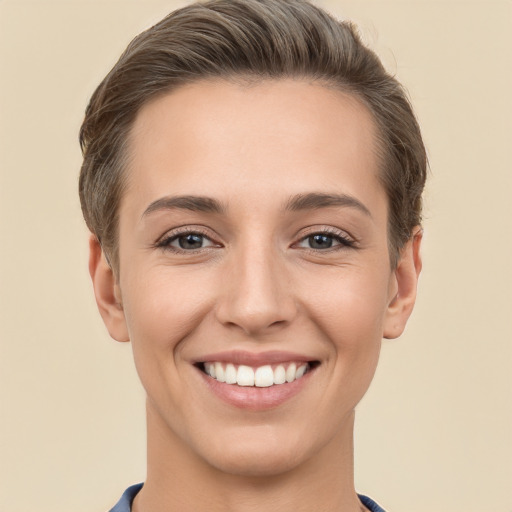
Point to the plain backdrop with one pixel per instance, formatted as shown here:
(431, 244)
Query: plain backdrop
(434, 433)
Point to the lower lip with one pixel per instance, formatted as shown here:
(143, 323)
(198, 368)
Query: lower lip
(253, 398)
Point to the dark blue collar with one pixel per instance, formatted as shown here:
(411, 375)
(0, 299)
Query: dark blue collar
(125, 503)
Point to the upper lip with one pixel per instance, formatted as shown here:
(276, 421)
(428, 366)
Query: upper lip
(243, 357)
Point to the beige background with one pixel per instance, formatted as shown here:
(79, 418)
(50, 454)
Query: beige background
(435, 431)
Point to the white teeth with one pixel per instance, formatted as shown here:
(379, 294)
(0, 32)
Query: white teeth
(230, 374)
(245, 376)
(219, 372)
(210, 369)
(301, 370)
(290, 373)
(279, 375)
(262, 377)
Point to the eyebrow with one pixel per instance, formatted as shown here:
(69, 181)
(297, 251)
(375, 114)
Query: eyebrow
(192, 203)
(310, 201)
(315, 200)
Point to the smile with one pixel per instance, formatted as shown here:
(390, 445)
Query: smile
(256, 381)
(262, 376)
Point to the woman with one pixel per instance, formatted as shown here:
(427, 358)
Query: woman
(252, 181)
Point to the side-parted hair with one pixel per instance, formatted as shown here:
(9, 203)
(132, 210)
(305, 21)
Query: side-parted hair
(247, 41)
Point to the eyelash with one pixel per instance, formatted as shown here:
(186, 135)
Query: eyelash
(165, 242)
(343, 241)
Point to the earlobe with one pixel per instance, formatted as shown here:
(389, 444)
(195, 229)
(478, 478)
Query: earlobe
(405, 283)
(107, 292)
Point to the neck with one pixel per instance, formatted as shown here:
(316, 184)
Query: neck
(178, 479)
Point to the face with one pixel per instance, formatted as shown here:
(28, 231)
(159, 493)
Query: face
(253, 250)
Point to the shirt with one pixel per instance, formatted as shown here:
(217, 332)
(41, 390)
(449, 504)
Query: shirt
(125, 503)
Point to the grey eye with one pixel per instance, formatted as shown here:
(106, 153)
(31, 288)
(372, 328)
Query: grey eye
(324, 241)
(320, 241)
(190, 241)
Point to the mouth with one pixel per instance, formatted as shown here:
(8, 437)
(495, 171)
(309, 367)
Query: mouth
(256, 381)
(262, 376)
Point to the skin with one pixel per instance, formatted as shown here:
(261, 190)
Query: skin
(258, 283)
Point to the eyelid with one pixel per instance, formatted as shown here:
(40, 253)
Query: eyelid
(322, 228)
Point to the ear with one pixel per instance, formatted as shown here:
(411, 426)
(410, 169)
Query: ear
(403, 286)
(107, 292)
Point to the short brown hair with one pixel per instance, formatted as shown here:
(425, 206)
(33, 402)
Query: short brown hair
(247, 40)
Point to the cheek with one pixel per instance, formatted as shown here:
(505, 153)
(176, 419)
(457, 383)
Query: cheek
(352, 308)
(163, 307)
(161, 311)
(350, 315)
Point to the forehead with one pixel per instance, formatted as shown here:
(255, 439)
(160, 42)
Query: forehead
(276, 133)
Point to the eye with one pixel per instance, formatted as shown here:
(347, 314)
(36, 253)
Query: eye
(320, 241)
(189, 241)
(325, 241)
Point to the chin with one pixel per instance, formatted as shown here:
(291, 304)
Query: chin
(253, 464)
(258, 456)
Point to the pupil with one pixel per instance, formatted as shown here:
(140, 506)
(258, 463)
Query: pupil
(320, 241)
(191, 241)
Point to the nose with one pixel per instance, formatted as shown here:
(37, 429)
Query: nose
(257, 295)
